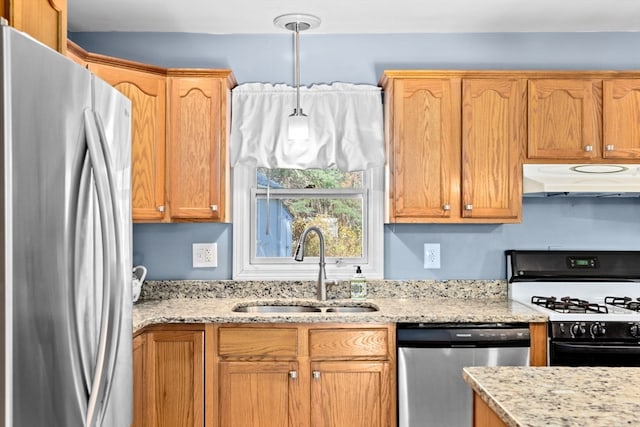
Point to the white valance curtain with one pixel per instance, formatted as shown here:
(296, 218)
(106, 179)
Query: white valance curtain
(345, 127)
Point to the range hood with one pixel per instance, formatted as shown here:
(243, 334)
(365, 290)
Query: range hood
(581, 180)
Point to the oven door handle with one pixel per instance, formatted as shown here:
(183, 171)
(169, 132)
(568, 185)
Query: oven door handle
(598, 349)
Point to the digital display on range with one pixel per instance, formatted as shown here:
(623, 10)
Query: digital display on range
(584, 262)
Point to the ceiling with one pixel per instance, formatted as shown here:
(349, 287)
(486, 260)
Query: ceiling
(356, 16)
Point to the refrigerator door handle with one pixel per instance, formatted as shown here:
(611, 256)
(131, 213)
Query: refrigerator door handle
(112, 293)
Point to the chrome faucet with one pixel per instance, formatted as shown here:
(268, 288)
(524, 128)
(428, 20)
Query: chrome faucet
(299, 256)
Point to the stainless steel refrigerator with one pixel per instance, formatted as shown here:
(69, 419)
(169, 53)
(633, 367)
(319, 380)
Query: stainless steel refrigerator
(66, 227)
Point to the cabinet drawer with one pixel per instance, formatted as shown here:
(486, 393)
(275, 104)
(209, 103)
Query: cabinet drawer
(257, 342)
(340, 343)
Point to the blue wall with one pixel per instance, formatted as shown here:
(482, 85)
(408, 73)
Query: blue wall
(467, 251)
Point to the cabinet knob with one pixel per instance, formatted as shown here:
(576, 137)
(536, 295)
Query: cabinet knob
(160, 208)
(468, 207)
(214, 208)
(293, 374)
(588, 148)
(609, 147)
(316, 375)
(446, 207)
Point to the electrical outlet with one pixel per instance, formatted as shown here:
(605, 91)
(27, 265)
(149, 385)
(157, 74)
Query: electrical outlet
(205, 255)
(432, 255)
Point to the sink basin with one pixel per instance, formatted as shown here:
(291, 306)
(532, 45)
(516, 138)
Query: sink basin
(302, 308)
(276, 308)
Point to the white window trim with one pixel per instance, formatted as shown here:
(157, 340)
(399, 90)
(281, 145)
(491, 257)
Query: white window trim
(243, 269)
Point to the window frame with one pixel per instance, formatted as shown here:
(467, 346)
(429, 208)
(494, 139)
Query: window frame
(245, 266)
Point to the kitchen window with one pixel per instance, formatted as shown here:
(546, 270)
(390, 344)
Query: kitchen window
(333, 180)
(272, 207)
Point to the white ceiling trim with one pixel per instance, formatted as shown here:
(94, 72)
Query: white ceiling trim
(357, 16)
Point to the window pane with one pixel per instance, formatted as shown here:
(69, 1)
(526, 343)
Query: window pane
(280, 223)
(308, 178)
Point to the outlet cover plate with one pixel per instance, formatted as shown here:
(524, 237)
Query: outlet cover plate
(205, 255)
(432, 255)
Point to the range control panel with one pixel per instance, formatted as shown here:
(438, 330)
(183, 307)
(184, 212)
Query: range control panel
(590, 330)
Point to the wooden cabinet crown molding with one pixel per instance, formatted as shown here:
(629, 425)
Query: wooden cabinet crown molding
(96, 58)
(390, 75)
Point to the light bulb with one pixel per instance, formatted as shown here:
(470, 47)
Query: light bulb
(298, 126)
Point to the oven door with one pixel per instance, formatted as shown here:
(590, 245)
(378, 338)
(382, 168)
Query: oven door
(590, 353)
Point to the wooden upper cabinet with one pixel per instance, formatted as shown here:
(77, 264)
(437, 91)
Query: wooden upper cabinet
(621, 121)
(493, 137)
(147, 92)
(564, 119)
(198, 168)
(44, 20)
(180, 128)
(424, 149)
(454, 147)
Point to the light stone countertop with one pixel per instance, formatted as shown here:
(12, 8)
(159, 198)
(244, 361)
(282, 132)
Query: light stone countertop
(559, 396)
(397, 301)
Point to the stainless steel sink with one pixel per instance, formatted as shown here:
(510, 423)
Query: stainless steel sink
(259, 307)
(276, 308)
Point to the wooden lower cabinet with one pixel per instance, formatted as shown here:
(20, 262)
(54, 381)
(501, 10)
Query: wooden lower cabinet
(284, 375)
(355, 394)
(538, 351)
(305, 375)
(139, 383)
(169, 375)
(483, 415)
(261, 394)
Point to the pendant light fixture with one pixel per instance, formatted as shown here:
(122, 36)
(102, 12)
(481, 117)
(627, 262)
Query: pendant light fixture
(298, 121)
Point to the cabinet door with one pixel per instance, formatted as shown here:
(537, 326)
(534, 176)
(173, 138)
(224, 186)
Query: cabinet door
(175, 369)
(196, 152)
(147, 93)
(493, 132)
(621, 123)
(483, 415)
(44, 20)
(139, 383)
(425, 149)
(564, 119)
(262, 394)
(354, 394)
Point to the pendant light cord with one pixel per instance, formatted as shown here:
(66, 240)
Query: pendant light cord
(296, 42)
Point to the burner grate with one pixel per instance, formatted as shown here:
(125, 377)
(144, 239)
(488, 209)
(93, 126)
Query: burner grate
(569, 305)
(624, 302)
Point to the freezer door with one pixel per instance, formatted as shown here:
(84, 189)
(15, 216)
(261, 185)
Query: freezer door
(43, 97)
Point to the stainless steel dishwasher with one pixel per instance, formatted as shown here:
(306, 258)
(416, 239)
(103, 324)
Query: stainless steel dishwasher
(431, 391)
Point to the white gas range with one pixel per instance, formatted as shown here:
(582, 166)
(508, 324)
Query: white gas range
(592, 299)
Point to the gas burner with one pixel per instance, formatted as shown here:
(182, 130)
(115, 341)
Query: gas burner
(569, 305)
(624, 302)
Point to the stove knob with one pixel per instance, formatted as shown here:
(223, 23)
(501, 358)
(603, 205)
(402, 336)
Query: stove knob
(578, 329)
(597, 329)
(634, 330)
